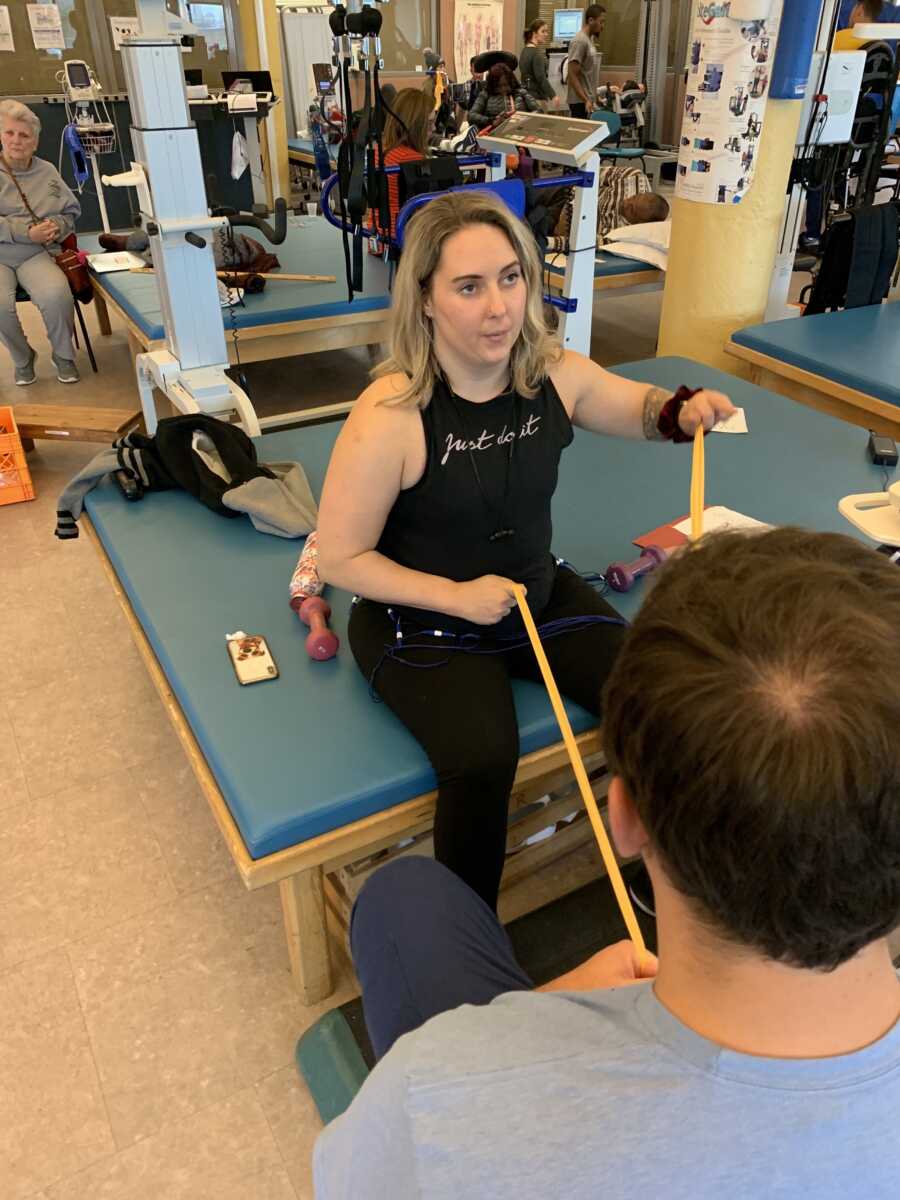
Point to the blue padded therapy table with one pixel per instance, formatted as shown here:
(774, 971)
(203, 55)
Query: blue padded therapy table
(844, 363)
(612, 273)
(306, 774)
(288, 318)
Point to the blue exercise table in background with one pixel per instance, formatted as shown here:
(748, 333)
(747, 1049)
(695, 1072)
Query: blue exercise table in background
(302, 151)
(306, 774)
(843, 363)
(288, 318)
(613, 273)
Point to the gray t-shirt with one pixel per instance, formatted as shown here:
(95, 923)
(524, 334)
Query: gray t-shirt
(581, 50)
(607, 1095)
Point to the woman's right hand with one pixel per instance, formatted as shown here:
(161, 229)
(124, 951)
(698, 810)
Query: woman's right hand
(485, 601)
(44, 232)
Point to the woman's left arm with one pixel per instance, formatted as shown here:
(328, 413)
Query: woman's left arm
(528, 101)
(605, 403)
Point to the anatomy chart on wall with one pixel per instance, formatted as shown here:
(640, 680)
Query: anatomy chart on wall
(478, 27)
(729, 68)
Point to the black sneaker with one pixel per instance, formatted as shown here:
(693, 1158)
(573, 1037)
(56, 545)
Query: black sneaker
(640, 889)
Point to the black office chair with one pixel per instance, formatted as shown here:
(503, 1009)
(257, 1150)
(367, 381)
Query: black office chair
(22, 296)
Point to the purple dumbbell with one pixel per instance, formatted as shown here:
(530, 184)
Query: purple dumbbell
(621, 577)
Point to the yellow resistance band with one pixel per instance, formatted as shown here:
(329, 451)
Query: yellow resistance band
(698, 472)
(587, 795)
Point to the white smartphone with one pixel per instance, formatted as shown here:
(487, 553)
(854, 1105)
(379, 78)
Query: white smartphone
(251, 658)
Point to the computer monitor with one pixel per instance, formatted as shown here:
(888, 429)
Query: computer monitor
(247, 81)
(566, 23)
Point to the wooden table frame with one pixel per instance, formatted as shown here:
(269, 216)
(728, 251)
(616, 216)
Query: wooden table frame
(815, 391)
(301, 871)
(650, 280)
(260, 343)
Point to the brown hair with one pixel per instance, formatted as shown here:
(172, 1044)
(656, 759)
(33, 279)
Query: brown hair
(593, 11)
(753, 715)
(412, 336)
(496, 75)
(871, 10)
(534, 28)
(413, 107)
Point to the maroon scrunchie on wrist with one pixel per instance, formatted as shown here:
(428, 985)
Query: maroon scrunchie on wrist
(667, 421)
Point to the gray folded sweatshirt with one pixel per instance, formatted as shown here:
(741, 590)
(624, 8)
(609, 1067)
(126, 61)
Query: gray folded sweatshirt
(49, 196)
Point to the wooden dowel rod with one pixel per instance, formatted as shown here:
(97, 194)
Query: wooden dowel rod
(262, 274)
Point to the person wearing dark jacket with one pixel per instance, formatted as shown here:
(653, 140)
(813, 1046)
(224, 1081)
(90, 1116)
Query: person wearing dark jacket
(502, 94)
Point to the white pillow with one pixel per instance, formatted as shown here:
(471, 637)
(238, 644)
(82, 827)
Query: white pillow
(653, 233)
(641, 252)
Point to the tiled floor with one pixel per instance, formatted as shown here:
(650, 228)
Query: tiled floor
(147, 1018)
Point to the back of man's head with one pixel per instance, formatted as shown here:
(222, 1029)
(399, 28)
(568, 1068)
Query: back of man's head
(866, 11)
(754, 718)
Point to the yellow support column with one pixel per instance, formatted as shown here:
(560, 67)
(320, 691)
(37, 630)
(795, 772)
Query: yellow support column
(261, 37)
(249, 35)
(722, 255)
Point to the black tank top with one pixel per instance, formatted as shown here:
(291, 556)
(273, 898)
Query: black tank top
(490, 468)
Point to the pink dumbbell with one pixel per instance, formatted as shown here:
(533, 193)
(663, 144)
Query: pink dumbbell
(623, 576)
(321, 643)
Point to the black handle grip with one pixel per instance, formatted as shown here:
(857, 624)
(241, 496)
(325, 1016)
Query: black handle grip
(275, 235)
(194, 239)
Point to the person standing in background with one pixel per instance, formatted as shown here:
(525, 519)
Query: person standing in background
(581, 63)
(533, 66)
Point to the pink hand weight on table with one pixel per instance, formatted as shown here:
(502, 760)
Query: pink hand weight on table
(321, 643)
(621, 577)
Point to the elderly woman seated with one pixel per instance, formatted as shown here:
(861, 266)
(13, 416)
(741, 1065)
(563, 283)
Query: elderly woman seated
(37, 211)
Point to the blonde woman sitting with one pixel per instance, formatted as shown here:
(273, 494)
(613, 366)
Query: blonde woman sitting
(437, 500)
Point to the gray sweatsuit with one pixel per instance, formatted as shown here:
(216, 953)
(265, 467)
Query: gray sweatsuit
(24, 262)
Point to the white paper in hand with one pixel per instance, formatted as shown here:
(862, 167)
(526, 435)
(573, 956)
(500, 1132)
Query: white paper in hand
(736, 423)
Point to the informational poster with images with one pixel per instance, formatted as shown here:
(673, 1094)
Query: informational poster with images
(6, 34)
(46, 27)
(479, 27)
(729, 69)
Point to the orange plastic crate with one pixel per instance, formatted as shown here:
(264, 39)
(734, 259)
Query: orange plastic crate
(15, 480)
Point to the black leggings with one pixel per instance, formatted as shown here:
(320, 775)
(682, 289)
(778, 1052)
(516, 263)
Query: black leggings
(462, 713)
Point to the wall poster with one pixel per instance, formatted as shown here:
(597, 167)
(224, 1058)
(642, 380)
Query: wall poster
(729, 69)
(478, 27)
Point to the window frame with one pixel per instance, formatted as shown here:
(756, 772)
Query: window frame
(434, 5)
